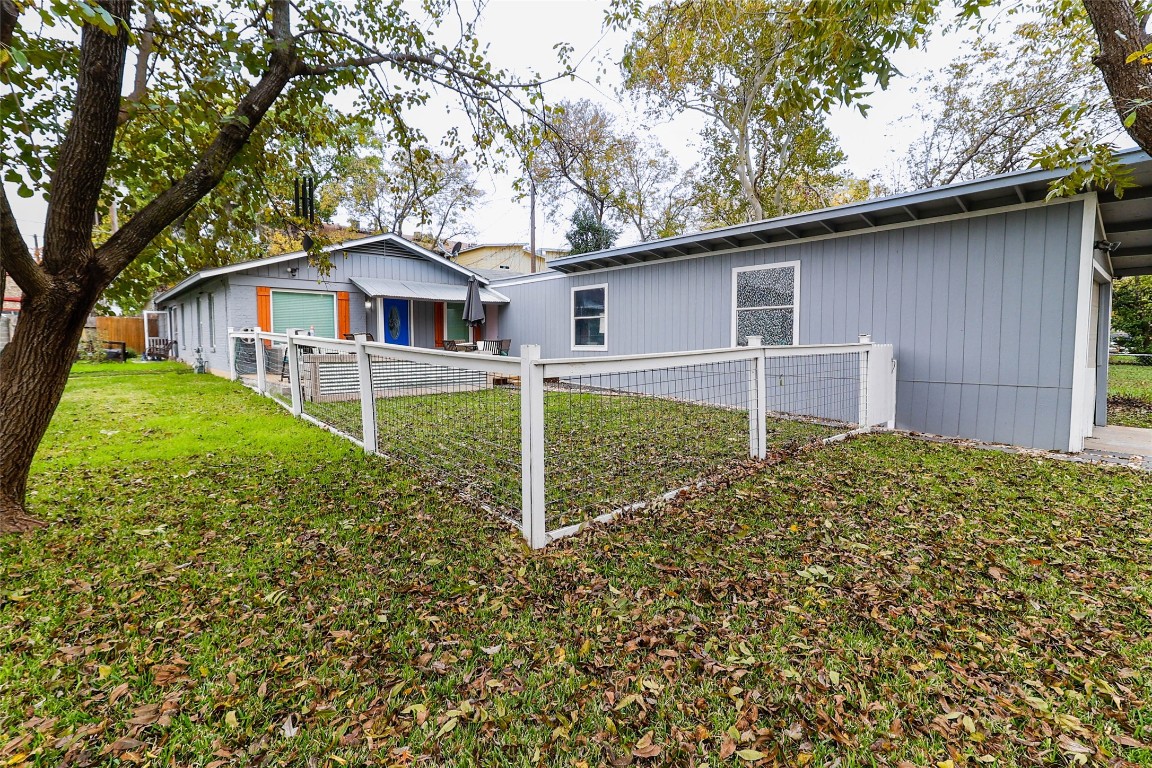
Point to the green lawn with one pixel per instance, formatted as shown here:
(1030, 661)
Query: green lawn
(1130, 395)
(224, 585)
(636, 447)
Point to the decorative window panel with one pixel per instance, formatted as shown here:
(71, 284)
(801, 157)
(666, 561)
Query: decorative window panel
(764, 303)
(590, 318)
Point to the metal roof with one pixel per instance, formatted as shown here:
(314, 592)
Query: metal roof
(348, 245)
(421, 291)
(1127, 220)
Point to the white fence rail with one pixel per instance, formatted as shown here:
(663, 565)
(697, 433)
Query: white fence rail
(553, 444)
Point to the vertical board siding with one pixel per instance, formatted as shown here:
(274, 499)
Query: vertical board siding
(980, 311)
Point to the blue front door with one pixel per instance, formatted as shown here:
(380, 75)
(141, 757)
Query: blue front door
(396, 330)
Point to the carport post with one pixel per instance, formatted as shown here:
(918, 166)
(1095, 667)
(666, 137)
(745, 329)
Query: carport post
(231, 355)
(261, 382)
(534, 523)
(294, 371)
(367, 396)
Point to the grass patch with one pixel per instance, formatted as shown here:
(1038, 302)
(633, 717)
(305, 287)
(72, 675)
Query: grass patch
(1130, 395)
(221, 582)
(636, 447)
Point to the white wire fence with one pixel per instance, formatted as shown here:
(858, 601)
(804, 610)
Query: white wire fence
(551, 445)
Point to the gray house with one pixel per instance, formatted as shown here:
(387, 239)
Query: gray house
(383, 285)
(996, 299)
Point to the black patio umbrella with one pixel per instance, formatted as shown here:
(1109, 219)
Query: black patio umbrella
(473, 308)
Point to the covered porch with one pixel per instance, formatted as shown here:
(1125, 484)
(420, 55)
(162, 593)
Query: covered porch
(423, 314)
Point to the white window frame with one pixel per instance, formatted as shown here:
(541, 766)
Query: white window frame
(212, 321)
(199, 324)
(272, 306)
(572, 319)
(794, 306)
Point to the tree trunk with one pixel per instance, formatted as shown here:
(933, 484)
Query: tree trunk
(1121, 33)
(33, 371)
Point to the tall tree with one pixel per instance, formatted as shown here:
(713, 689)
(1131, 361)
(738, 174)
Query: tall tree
(795, 167)
(413, 184)
(589, 233)
(577, 157)
(993, 110)
(652, 195)
(63, 112)
(1132, 314)
(754, 66)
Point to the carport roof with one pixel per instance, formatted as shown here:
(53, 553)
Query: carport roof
(1126, 220)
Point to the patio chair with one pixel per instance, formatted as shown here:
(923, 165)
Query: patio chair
(161, 349)
(352, 337)
(500, 346)
(450, 345)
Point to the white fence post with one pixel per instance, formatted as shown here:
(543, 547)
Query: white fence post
(367, 395)
(757, 405)
(231, 355)
(534, 522)
(865, 383)
(261, 381)
(881, 386)
(294, 372)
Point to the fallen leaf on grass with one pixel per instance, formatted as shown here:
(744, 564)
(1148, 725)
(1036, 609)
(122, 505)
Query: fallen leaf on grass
(645, 747)
(122, 745)
(750, 755)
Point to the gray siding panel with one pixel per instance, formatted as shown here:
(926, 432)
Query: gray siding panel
(980, 311)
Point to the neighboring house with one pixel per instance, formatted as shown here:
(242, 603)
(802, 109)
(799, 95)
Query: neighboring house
(997, 301)
(12, 297)
(510, 257)
(383, 285)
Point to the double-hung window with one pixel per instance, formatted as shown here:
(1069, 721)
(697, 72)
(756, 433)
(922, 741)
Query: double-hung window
(764, 302)
(590, 318)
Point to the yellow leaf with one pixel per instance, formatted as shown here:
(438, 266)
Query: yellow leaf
(231, 720)
(104, 671)
(750, 755)
(946, 764)
(449, 724)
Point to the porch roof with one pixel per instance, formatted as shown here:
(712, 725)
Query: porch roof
(420, 291)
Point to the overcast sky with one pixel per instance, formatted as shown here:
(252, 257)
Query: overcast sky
(521, 35)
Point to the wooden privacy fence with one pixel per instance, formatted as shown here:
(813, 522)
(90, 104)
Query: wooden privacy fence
(129, 330)
(554, 444)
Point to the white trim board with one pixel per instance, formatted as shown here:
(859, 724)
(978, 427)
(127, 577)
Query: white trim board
(193, 279)
(1078, 422)
(512, 281)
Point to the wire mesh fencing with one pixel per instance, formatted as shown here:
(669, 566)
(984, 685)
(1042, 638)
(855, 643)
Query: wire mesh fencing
(455, 419)
(553, 444)
(813, 395)
(616, 439)
(329, 383)
(244, 367)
